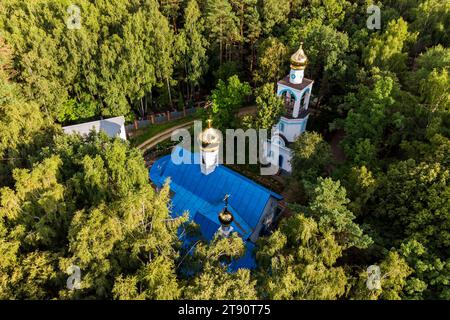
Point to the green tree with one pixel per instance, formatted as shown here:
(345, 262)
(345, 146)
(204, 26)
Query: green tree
(430, 19)
(274, 12)
(435, 91)
(270, 107)
(416, 202)
(328, 55)
(298, 261)
(394, 283)
(214, 281)
(252, 28)
(360, 185)
(194, 47)
(88, 203)
(386, 51)
(430, 276)
(271, 61)
(226, 99)
(222, 24)
(120, 53)
(329, 207)
(311, 156)
(367, 120)
(24, 128)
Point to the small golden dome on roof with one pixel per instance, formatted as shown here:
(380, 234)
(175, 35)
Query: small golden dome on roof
(225, 216)
(299, 59)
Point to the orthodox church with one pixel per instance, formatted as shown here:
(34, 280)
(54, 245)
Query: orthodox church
(295, 90)
(217, 198)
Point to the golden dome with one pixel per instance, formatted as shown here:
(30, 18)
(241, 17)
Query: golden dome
(225, 216)
(299, 59)
(210, 138)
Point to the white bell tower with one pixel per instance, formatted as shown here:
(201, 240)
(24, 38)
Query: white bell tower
(295, 90)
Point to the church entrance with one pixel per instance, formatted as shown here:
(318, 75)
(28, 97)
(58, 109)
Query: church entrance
(280, 161)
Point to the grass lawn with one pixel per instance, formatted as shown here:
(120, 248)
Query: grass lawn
(144, 134)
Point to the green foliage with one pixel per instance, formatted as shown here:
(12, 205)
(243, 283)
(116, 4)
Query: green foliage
(328, 54)
(311, 156)
(86, 201)
(329, 207)
(394, 274)
(386, 51)
(23, 127)
(360, 185)
(192, 45)
(431, 20)
(367, 121)
(435, 91)
(222, 25)
(226, 99)
(212, 280)
(272, 55)
(298, 261)
(416, 201)
(72, 111)
(270, 107)
(117, 56)
(431, 272)
(274, 12)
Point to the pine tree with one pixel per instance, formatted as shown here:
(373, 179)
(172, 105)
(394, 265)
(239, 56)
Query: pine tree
(223, 28)
(194, 47)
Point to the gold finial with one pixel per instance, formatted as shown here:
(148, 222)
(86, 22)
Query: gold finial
(226, 200)
(209, 122)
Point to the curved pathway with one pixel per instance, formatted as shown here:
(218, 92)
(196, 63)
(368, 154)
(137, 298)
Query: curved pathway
(160, 137)
(166, 134)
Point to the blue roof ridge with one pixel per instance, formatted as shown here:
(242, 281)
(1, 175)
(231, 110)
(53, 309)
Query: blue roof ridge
(223, 167)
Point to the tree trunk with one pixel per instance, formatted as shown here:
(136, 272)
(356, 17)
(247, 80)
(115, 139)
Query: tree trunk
(220, 54)
(146, 104)
(168, 91)
(141, 102)
(220, 42)
(187, 82)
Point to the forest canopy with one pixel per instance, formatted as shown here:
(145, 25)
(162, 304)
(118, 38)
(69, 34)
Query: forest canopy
(87, 200)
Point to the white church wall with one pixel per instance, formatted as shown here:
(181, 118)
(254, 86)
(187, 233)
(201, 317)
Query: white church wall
(267, 216)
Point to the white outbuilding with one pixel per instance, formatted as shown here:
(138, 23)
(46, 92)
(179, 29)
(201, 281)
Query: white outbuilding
(113, 127)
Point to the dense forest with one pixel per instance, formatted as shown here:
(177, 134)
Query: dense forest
(86, 201)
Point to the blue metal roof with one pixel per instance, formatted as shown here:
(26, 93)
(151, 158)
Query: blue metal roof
(202, 197)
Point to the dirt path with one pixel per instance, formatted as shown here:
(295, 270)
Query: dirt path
(160, 137)
(166, 134)
(247, 110)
